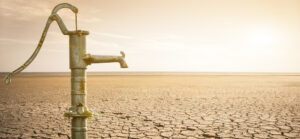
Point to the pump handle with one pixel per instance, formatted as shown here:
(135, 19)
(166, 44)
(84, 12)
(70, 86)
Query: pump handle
(64, 5)
(52, 17)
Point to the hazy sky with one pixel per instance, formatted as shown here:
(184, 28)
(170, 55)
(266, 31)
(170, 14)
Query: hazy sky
(158, 35)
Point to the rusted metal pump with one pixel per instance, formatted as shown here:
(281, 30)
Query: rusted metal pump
(79, 60)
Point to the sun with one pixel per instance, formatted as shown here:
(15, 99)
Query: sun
(262, 36)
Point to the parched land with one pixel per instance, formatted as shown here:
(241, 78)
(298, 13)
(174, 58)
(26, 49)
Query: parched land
(141, 106)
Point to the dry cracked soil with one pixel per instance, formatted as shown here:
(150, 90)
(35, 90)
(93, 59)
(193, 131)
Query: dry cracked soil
(152, 106)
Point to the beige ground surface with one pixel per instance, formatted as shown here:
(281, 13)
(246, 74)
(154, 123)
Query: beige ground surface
(156, 107)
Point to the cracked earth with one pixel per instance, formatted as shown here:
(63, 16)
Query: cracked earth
(174, 106)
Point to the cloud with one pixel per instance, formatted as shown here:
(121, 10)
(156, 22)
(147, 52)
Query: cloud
(25, 10)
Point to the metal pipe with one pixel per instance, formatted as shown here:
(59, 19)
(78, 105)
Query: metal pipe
(78, 110)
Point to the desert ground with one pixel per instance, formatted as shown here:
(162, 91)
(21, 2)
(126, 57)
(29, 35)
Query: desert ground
(156, 106)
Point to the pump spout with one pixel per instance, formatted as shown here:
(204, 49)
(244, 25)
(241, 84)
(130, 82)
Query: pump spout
(106, 59)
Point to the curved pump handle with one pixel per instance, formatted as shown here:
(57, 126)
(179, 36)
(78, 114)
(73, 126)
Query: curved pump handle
(52, 17)
(64, 5)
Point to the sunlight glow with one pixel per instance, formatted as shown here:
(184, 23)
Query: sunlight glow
(264, 37)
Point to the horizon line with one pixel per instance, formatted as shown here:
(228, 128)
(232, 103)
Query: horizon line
(158, 73)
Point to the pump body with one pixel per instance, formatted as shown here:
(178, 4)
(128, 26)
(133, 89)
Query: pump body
(78, 111)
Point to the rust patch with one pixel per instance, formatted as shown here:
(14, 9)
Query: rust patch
(82, 85)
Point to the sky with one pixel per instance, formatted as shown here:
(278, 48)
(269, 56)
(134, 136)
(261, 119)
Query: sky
(158, 35)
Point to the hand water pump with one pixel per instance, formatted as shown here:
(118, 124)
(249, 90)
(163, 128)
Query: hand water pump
(79, 60)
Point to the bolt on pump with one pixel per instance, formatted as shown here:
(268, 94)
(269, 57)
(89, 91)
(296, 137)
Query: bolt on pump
(79, 60)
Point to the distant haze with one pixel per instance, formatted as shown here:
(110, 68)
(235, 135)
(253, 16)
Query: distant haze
(158, 35)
